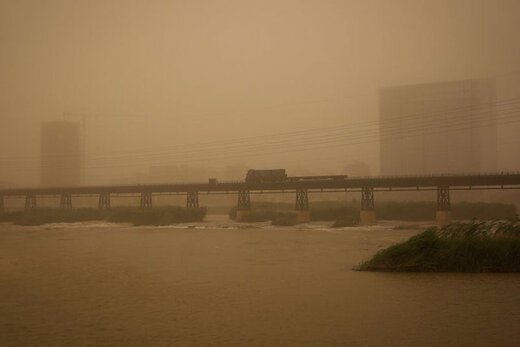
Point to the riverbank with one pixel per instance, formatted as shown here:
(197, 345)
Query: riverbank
(162, 215)
(458, 247)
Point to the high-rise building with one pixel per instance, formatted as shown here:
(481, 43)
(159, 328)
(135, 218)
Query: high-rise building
(436, 128)
(61, 162)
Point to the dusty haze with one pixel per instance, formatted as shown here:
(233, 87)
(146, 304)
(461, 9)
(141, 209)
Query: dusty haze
(212, 84)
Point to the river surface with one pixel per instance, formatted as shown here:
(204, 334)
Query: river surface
(219, 283)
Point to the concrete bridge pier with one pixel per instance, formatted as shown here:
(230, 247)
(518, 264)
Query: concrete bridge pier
(192, 199)
(443, 213)
(66, 201)
(30, 202)
(367, 215)
(146, 200)
(243, 205)
(302, 206)
(104, 201)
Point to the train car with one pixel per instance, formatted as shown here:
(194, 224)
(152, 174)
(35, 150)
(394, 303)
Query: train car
(274, 175)
(315, 178)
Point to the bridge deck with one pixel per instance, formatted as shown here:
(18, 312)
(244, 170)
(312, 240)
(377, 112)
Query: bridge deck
(496, 180)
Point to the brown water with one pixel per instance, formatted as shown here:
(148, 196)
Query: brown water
(103, 284)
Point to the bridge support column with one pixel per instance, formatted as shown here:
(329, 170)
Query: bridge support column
(146, 200)
(302, 206)
(192, 200)
(443, 213)
(243, 205)
(30, 202)
(66, 201)
(367, 215)
(104, 201)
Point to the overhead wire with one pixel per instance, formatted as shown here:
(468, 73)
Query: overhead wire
(307, 142)
(303, 145)
(307, 133)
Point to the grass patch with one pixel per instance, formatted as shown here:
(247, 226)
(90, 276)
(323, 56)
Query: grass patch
(45, 215)
(459, 247)
(263, 211)
(162, 215)
(285, 219)
(334, 210)
(425, 210)
(348, 221)
(277, 218)
(392, 210)
(386, 210)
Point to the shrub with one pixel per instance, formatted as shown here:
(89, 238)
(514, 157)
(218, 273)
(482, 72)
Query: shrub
(460, 247)
(348, 221)
(155, 216)
(285, 219)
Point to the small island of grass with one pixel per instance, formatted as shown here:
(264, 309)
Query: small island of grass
(458, 247)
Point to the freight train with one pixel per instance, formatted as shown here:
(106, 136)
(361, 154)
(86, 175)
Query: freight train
(279, 175)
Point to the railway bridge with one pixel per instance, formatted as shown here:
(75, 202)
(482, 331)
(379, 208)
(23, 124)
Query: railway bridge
(365, 186)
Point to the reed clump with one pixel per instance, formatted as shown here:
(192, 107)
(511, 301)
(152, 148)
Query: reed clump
(285, 219)
(385, 210)
(347, 221)
(45, 215)
(162, 215)
(491, 246)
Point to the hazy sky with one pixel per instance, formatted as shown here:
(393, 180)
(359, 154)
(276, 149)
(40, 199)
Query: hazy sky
(153, 75)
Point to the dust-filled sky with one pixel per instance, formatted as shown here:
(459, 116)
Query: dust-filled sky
(210, 84)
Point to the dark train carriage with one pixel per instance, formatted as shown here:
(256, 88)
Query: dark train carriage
(275, 175)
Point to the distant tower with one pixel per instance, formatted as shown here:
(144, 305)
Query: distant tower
(447, 127)
(61, 154)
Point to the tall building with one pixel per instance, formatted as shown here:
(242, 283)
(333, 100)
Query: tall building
(61, 162)
(436, 128)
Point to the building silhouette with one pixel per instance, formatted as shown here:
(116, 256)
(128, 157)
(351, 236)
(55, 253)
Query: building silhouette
(61, 162)
(437, 128)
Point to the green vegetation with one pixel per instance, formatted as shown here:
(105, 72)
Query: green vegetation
(345, 212)
(346, 222)
(278, 213)
(277, 218)
(162, 215)
(459, 247)
(263, 211)
(285, 219)
(44, 215)
(425, 210)
(334, 210)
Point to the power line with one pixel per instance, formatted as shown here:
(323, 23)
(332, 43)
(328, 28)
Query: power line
(339, 140)
(308, 133)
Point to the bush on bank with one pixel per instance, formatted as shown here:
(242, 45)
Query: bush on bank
(277, 218)
(458, 247)
(285, 219)
(162, 215)
(391, 210)
(44, 215)
(347, 221)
